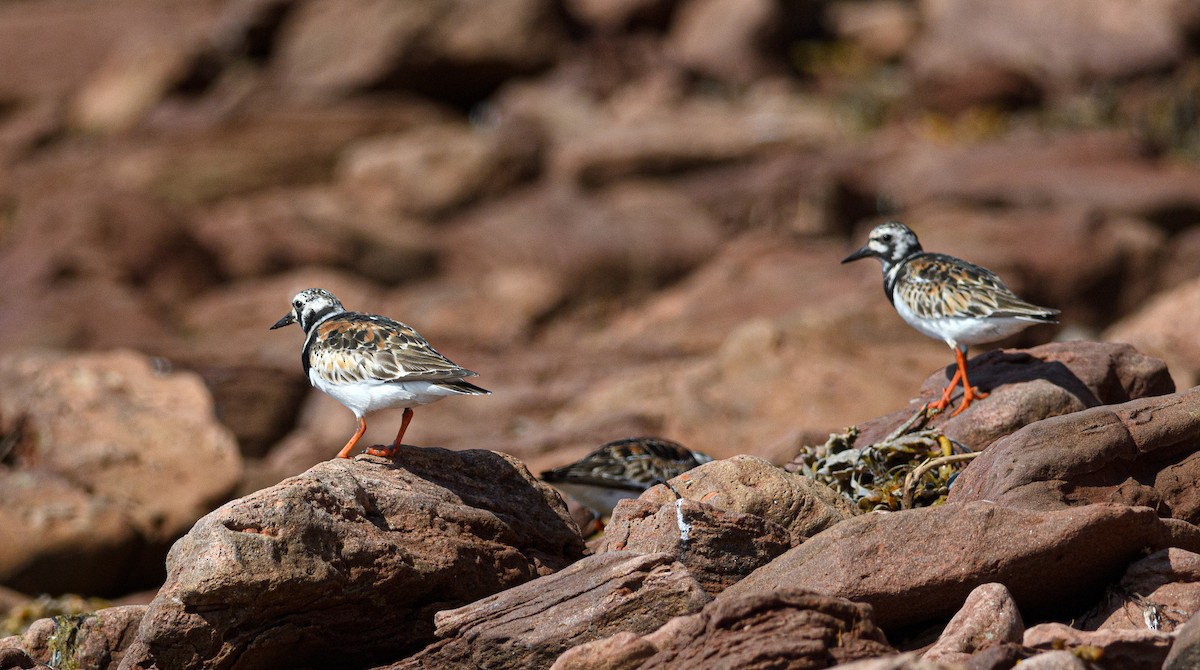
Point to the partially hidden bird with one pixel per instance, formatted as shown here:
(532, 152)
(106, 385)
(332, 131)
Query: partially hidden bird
(948, 299)
(622, 469)
(369, 362)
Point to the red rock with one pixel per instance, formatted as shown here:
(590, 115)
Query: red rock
(276, 229)
(612, 15)
(1103, 454)
(328, 49)
(95, 439)
(1164, 328)
(884, 29)
(359, 554)
(1185, 651)
(784, 628)
(749, 485)
(1057, 45)
(531, 625)
(727, 40)
(1055, 660)
(717, 547)
(909, 661)
(1029, 385)
(1160, 592)
(1100, 172)
(634, 237)
(97, 640)
(1117, 648)
(988, 618)
(434, 170)
(1048, 559)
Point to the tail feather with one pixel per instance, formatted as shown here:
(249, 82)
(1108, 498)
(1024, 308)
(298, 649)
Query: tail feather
(463, 387)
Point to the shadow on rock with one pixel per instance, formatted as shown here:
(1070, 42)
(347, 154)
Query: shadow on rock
(347, 563)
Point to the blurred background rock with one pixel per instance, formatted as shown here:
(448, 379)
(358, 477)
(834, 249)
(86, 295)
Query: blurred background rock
(626, 215)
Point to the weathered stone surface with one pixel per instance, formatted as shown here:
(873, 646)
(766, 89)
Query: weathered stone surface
(747, 485)
(1055, 660)
(1054, 45)
(1138, 453)
(726, 39)
(108, 461)
(785, 628)
(1160, 592)
(351, 560)
(1164, 327)
(1029, 385)
(1048, 559)
(95, 641)
(989, 617)
(909, 661)
(1117, 648)
(632, 236)
(433, 170)
(530, 625)
(718, 547)
(1185, 651)
(330, 48)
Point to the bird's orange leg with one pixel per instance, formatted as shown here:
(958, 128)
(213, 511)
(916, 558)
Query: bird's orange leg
(362, 428)
(969, 392)
(947, 392)
(389, 451)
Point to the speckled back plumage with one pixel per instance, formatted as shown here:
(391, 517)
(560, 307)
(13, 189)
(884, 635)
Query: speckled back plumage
(353, 347)
(946, 297)
(937, 286)
(633, 464)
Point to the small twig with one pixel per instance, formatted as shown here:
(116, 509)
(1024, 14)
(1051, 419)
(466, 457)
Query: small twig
(910, 481)
(922, 416)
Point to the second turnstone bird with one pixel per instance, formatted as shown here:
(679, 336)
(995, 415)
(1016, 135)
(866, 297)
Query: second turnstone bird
(622, 469)
(369, 362)
(948, 299)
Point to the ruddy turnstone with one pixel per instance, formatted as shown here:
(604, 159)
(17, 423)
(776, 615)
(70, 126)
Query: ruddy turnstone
(622, 469)
(948, 299)
(369, 362)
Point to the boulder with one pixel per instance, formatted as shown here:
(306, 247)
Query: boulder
(727, 40)
(1028, 385)
(787, 627)
(348, 562)
(531, 625)
(1054, 46)
(741, 485)
(331, 48)
(1049, 560)
(627, 238)
(1141, 452)
(1163, 327)
(1117, 648)
(1185, 651)
(988, 618)
(718, 547)
(1161, 592)
(109, 459)
(434, 170)
(96, 640)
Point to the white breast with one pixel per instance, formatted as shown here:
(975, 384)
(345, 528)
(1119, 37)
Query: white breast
(962, 331)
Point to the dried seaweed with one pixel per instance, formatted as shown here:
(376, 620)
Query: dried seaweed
(914, 466)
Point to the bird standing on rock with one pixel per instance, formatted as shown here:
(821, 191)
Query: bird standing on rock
(369, 362)
(948, 299)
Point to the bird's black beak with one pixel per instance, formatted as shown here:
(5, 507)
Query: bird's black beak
(861, 253)
(289, 318)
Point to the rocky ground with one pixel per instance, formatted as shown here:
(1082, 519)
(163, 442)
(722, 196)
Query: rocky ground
(627, 216)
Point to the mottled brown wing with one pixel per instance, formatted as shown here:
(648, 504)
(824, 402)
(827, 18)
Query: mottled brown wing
(937, 286)
(360, 347)
(634, 463)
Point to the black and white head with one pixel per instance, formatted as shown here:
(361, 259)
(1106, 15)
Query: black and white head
(890, 242)
(310, 307)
